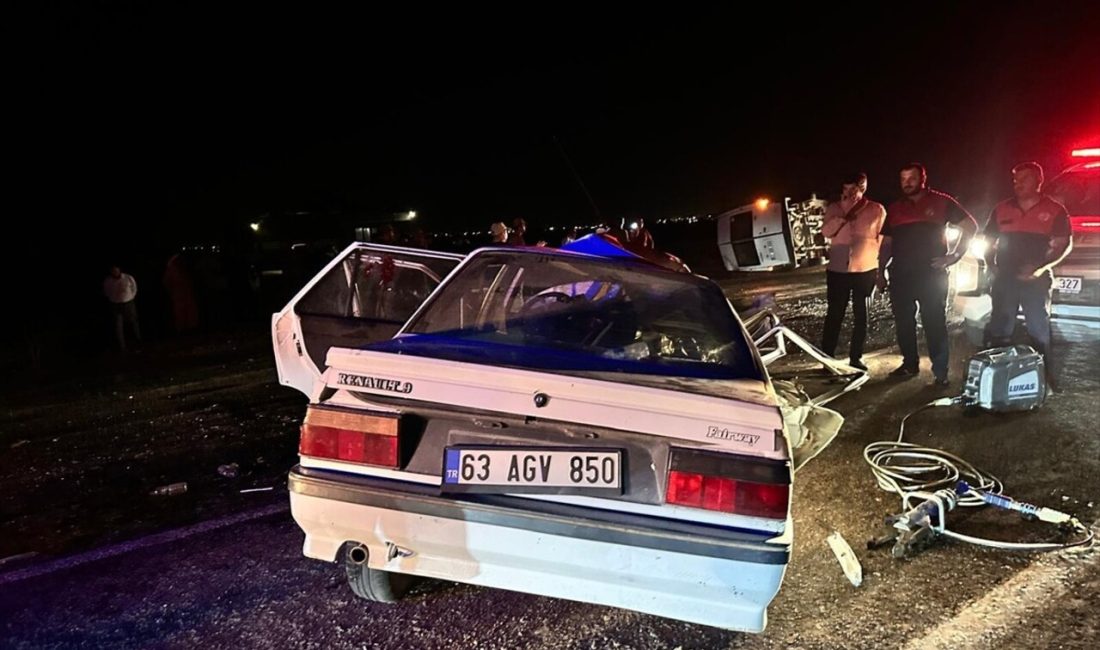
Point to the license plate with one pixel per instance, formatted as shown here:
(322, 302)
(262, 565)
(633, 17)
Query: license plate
(525, 469)
(1068, 285)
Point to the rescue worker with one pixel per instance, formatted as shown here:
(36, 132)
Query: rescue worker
(181, 293)
(519, 232)
(1028, 235)
(853, 226)
(639, 235)
(913, 260)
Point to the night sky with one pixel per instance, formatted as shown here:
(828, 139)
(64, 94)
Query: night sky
(178, 124)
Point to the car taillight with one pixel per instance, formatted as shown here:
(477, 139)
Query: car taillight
(1085, 223)
(727, 495)
(720, 482)
(370, 439)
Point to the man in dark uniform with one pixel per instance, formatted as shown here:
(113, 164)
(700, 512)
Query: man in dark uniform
(1028, 235)
(915, 258)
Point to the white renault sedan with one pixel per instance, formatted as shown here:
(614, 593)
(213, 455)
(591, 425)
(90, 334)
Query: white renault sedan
(577, 426)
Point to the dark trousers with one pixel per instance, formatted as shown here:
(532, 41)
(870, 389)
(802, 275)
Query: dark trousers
(923, 292)
(125, 313)
(840, 288)
(1011, 295)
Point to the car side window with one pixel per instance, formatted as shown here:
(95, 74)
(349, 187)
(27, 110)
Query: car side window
(369, 285)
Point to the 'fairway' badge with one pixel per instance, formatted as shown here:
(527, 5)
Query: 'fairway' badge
(733, 436)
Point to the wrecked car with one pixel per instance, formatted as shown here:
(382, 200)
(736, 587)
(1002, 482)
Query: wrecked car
(589, 427)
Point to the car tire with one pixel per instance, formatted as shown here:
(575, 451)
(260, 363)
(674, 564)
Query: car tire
(374, 585)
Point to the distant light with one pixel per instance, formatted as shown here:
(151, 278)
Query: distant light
(412, 214)
(254, 226)
(762, 204)
(633, 225)
(1086, 153)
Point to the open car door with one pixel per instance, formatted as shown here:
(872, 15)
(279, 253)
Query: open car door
(364, 295)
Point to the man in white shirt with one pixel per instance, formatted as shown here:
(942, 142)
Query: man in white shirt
(852, 226)
(121, 289)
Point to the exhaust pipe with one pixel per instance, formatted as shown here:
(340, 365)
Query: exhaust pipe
(357, 554)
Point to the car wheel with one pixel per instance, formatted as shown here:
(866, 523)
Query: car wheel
(373, 584)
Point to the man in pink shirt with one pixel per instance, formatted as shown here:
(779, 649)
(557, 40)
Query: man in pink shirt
(852, 225)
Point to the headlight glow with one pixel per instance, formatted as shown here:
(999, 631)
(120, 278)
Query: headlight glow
(965, 279)
(978, 247)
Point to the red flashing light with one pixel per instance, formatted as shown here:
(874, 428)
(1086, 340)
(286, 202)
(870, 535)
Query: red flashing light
(1085, 223)
(1086, 153)
(727, 495)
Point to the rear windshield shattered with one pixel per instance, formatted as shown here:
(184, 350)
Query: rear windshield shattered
(580, 315)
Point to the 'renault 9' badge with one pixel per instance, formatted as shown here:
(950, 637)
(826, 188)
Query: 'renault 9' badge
(375, 383)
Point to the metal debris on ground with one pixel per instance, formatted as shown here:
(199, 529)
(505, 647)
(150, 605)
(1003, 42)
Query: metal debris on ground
(170, 490)
(16, 558)
(263, 489)
(847, 558)
(229, 471)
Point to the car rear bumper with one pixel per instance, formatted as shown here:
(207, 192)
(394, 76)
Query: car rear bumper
(1075, 323)
(700, 574)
